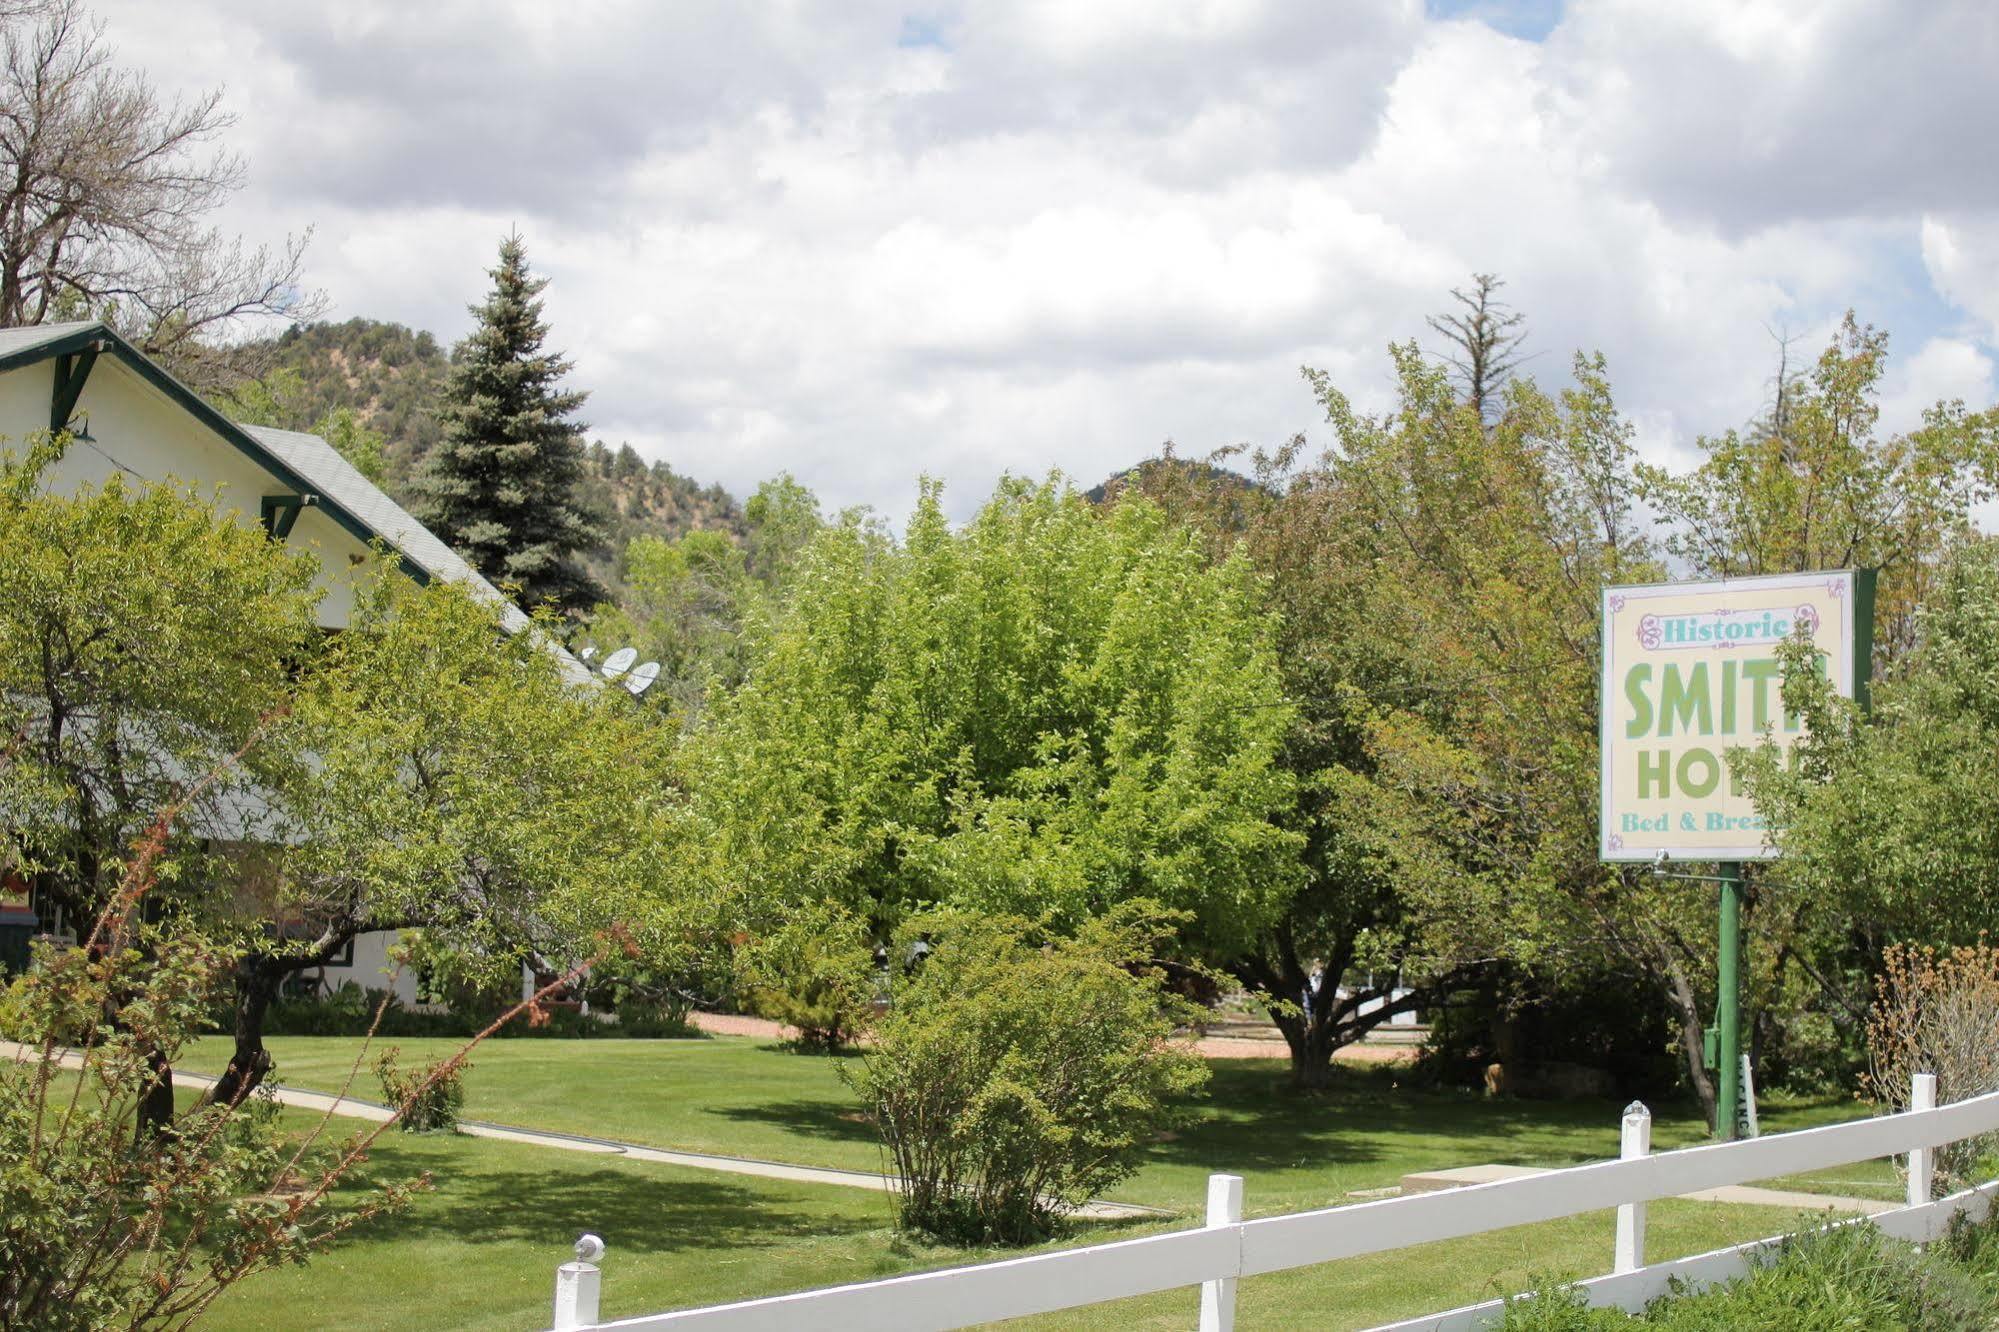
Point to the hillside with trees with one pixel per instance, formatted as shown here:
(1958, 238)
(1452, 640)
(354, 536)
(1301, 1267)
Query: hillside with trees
(388, 380)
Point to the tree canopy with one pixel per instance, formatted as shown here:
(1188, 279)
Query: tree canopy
(1047, 711)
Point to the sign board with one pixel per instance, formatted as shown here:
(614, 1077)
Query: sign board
(1690, 671)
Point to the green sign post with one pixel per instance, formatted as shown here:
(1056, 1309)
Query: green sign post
(1728, 1004)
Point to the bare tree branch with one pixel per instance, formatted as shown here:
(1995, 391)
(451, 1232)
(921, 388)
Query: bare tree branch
(105, 194)
(1485, 340)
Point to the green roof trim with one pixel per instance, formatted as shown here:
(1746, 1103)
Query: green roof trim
(72, 339)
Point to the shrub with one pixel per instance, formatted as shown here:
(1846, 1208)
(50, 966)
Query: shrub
(350, 1011)
(116, 1209)
(1016, 1075)
(815, 973)
(1938, 1013)
(429, 1097)
(665, 1018)
(1842, 1276)
(1554, 1307)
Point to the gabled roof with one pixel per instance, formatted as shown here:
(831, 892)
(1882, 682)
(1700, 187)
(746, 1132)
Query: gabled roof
(305, 464)
(27, 346)
(334, 480)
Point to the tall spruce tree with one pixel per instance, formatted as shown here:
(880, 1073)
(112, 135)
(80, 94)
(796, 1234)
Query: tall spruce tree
(501, 487)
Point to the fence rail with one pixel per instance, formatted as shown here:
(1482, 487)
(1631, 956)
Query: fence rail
(1228, 1248)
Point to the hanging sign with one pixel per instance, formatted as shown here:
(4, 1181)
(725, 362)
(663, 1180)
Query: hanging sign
(1690, 671)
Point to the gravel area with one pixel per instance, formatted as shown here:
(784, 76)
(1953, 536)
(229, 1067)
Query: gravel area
(1214, 1047)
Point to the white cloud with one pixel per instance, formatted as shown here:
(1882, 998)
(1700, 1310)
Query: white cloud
(1057, 234)
(1943, 369)
(1962, 256)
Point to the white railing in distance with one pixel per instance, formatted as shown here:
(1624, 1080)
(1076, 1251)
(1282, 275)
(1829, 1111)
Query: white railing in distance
(1223, 1251)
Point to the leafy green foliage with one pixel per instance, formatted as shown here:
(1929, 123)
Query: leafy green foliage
(1846, 1276)
(814, 973)
(462, 785)
(144, 639)
(1893, 818)
(501, 487)
(423, 768)
(354, 1011)
(107, 1219)
(1018, 1073)
(1435, 574)
(1045, 711)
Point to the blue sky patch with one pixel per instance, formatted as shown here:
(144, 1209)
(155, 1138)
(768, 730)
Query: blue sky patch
(1532, 20)
(922, 30)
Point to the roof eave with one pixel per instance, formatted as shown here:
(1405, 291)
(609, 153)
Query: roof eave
(191, 402)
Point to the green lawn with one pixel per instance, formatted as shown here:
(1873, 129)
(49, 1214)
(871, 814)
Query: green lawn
(737, 1096)
(480, 1252)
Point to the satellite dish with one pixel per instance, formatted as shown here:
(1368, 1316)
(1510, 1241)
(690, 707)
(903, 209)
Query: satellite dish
(641, 679)
(587, 653)
(619, 662)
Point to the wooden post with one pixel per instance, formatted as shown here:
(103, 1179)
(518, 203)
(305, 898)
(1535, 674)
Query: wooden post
(1636, 1141)
(577, 1286)
(1218, 1296)
(1922, 1160)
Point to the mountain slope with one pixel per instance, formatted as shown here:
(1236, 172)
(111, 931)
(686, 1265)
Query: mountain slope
(392, 379)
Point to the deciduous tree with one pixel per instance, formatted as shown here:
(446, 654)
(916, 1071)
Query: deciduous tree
(1047, 712)
(107, 192)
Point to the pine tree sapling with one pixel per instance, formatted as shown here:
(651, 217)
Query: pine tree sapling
(501, 486)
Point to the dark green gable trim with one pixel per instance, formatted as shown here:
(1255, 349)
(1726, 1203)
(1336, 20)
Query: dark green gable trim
(72, 373)
(88, 338)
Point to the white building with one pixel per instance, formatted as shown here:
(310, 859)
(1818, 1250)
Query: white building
(128, 415)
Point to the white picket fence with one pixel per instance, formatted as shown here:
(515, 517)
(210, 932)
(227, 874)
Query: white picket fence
(1228, 1248)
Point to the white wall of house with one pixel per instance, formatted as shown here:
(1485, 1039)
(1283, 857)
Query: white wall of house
(372, 969)
(136, 428)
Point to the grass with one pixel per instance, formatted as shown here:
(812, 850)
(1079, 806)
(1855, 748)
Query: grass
(736, 1096)
(481, 1252)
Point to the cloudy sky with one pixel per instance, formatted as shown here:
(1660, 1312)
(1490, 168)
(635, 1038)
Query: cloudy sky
(866, 241)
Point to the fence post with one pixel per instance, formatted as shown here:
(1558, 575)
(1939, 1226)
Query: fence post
(577, 1287)
(1636, 1141)
(1922, 1160)
(1218, 1296)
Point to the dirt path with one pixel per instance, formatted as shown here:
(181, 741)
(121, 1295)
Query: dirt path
(1213, 1047)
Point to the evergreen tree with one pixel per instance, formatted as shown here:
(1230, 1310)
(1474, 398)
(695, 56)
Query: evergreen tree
(501, 486)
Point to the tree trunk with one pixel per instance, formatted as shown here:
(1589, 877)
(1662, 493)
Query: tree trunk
(1692, 1042)
(257, 981)
(1312, 1049)
(156, 1102)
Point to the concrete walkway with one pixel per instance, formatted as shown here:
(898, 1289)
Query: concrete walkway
(352, 1107)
